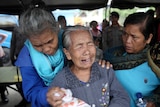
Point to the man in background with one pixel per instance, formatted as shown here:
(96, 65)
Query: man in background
(62, 21)
(112, 35)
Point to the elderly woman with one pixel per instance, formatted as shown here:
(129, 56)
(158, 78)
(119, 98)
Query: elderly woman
(87, 80)
(42, 57)
(130, 60)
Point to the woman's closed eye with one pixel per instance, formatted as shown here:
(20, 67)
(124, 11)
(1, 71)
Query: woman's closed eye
(91, 44)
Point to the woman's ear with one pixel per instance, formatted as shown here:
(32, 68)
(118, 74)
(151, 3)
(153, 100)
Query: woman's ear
(67, 53)
(149, 39)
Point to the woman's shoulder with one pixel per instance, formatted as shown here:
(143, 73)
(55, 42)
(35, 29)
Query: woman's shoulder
(60, 79)
(103, 70)
(61, 74)
(24, 51)
(24, 58)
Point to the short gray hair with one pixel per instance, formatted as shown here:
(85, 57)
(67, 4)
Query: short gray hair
(67, 34)
(34, 21)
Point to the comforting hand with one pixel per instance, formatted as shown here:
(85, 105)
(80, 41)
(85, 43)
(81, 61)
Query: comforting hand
(54, 96)
(107, 64)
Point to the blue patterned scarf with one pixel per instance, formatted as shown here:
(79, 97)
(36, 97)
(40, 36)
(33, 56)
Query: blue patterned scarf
(47, 66)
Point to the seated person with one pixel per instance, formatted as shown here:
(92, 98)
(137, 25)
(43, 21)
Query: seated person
(86, 79)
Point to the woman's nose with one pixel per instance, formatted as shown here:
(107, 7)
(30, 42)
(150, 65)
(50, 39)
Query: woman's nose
(86, 50)
(128, 39)
(45, 48)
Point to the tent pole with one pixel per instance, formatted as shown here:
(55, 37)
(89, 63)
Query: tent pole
(108, 9)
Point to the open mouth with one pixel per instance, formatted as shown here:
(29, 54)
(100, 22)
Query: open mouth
(86, 60)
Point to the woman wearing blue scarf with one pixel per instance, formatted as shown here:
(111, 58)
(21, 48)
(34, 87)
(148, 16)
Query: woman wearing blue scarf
(41, 58)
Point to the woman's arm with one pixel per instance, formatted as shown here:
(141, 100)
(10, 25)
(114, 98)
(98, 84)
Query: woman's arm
(33, 87)
(120, 97)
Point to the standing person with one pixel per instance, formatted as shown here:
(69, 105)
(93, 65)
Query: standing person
(96, 33)
(62, 25)
(2, 88)
(41, 58)
(86, 79)
(105, 24)
(94, 29)
(112, 35)
(130, 60)
(62, 21)
(99, 52)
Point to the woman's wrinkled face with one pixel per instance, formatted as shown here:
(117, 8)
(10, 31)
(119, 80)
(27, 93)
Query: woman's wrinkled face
(46, 42)
(134, 41)
(82, 50)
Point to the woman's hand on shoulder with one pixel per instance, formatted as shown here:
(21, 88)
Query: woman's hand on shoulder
(105, 63)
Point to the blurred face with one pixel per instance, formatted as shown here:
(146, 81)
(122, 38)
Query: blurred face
(104, 24)
(114, 20)
(46, 42)
(134, 41)
(82, 50)
(94, 26)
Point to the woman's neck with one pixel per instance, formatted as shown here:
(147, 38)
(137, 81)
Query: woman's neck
(81, 74)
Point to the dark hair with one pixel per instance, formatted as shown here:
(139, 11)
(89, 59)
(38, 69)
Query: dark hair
(115, 14)
(61, 18)
(151, 12)
(106, 22)
(142, 19)
(37, 3)
(93, 23)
